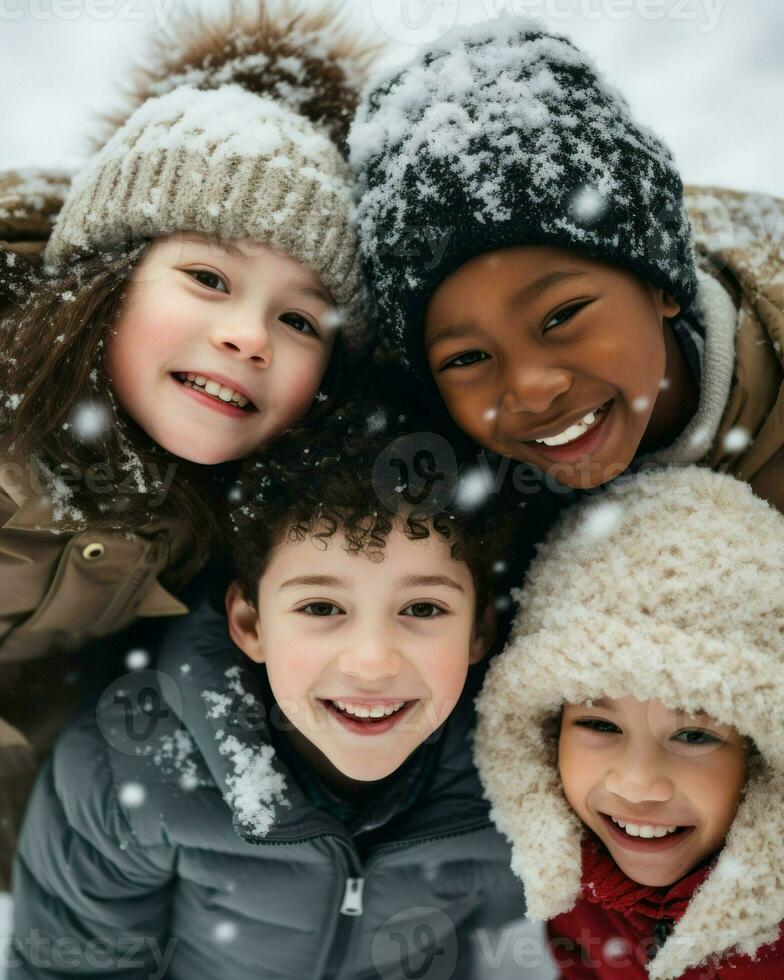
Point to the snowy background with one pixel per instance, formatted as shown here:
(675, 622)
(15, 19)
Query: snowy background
(704, 74)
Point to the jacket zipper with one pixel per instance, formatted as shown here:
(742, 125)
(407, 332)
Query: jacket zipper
(351, 888)
(352, 905)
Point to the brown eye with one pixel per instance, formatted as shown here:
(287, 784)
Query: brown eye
(321, 609)
(598, 725)
(423, 610)
(299, 323)
(563, 315)
(468, 359)
(209, 279)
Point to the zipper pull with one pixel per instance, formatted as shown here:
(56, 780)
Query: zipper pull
(352, 900)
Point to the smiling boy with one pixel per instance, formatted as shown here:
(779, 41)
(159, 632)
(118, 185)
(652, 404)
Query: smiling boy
(629, 735)
(303, 803)
(535, 265)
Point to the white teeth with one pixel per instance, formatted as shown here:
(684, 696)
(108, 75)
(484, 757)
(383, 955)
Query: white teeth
(644, 829)
(573, 432)
(223, 392)
(369, 711)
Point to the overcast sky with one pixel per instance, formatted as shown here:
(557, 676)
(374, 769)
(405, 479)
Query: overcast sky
(707, 75)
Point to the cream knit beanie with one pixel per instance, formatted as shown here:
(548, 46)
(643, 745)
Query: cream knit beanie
(668, 586)
(235, 136)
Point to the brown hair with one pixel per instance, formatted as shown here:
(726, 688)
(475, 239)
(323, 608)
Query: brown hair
(51, 364)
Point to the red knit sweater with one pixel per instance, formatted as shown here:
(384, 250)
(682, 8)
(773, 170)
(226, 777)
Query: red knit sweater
(617, 922)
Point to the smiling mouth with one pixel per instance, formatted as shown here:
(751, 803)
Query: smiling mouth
(574, 432)
(212, 389)
(361, 721)
(645, 836)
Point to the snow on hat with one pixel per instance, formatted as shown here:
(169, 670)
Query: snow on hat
(233, 132)
(671, 590)
(499, 135)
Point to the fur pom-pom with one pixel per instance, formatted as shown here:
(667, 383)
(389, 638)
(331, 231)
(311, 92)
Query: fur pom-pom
(307, 59)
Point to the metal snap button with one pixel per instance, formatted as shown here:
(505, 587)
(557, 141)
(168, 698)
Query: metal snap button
(93, 551)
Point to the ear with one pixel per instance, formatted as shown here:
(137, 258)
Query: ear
(669, 305)
(243, 623)
(484, 633)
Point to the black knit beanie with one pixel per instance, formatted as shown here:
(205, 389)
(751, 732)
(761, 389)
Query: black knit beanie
(502, 134)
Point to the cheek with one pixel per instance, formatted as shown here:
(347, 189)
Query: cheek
(122, 346)
(468, 405)
(579, 773)
(443, 666)
(297, 381)
(716, 791)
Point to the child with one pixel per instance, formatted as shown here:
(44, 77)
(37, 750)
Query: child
(531, 254)
(629, 736)
(305, 807)
(186, 317)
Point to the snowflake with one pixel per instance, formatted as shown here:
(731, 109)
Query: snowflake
(132, 795)
(137, 659)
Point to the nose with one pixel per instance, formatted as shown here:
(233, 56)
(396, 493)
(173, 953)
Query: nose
(245, 337)
(371, 657)
(533, 388)
(640, 777)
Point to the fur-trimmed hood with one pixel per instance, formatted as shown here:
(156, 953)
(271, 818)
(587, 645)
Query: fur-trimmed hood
(669, 586)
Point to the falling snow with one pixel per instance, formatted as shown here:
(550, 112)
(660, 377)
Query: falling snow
(132, 795)
(137, 659)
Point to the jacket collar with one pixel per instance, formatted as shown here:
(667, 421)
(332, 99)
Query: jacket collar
(223, 708)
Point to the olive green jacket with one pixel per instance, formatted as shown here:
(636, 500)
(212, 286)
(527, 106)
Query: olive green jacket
(739, 239)
(61, 587)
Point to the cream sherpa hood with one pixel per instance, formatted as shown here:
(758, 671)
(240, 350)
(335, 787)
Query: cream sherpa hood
(668, 586)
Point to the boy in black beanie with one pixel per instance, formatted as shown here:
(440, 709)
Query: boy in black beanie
(530, 251)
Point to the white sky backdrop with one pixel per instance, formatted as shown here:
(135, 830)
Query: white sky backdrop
(707, 75)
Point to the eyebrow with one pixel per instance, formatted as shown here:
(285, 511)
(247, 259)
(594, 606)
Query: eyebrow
(519, 298)
(307, 289)
(417, 581)
(534, 289)
(300, 580)
(314, 291)
(601, 703)
(218, 244)
(454, 332)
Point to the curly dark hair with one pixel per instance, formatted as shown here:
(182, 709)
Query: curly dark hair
(318, 481)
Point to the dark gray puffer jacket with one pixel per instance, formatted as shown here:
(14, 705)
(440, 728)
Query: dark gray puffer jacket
(166, 837)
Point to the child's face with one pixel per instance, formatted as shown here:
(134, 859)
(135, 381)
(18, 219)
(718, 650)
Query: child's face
(525, 343)
(644, 764)
(336, 627)
(236, 314)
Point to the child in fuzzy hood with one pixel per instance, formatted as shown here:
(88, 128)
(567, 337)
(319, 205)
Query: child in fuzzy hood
(629, 735)
(200, 293)
(534, 259)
